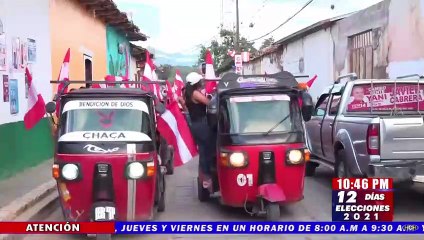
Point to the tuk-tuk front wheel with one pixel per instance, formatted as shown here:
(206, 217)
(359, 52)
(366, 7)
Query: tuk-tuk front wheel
(103, 237)
(310, 169)
(272, 212)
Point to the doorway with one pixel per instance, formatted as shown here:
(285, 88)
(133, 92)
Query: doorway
(88, 70)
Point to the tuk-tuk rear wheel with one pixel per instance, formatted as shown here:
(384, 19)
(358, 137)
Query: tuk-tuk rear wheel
(272, 212)
(103, 237)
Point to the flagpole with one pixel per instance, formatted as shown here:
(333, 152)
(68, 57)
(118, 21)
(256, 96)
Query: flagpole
(236, 42)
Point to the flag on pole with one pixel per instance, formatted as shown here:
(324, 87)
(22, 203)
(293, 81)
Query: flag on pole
(63, 76)
(173, 127)
(209, 73)
(36, 106)
(170, 94)
(148, 72)
(311, 81)
(178, 84)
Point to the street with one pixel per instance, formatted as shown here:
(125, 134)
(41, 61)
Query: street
(183, 205)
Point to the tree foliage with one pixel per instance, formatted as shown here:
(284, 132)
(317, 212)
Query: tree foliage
(219, 50)
(267, 42)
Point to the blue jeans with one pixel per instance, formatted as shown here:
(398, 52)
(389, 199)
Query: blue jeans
(204, 140)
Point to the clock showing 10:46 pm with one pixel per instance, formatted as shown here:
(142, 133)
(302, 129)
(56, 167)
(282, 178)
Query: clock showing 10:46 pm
(362, 199)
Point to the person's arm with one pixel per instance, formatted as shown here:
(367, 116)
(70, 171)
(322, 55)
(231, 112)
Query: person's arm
(182, 103)
(200, 98)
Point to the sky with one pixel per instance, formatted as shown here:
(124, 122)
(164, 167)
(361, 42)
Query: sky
(177, 27)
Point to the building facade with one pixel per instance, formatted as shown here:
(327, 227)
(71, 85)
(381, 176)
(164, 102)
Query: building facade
(382, 41)
(37, 34)
(24, 41)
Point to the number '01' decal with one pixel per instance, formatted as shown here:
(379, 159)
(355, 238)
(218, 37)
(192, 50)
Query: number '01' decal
(243, 179)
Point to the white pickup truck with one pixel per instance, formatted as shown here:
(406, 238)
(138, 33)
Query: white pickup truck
(370, 128)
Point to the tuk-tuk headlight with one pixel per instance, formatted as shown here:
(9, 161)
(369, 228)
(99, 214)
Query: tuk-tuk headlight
(237, 159)
(135, 170)
(295, 156)
(70, 171)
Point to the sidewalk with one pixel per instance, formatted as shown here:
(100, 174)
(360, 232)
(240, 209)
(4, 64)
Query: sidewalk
(24, 182)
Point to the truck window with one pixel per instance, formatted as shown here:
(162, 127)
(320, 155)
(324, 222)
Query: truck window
(334, 105)
(384, 97)
(321, 105)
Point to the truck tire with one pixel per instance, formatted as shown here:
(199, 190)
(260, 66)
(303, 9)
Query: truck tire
(341, 169)
(310, 169)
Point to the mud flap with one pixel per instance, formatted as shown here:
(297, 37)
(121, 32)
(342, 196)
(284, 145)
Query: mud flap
(271, 192)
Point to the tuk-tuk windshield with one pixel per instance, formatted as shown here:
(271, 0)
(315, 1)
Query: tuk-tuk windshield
(261, 114)
(107, 119)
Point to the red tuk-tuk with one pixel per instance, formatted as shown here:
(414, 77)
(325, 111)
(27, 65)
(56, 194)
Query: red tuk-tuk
(107, 165)
(261, 150)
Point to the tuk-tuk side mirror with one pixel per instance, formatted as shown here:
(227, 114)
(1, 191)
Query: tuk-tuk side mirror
(212, 110)
(307, 106)
(51, 107)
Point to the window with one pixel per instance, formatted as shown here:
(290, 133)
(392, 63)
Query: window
(88, 70)
(335, 103)
(106, 119)
(321, 105)
(259, 114)
(361, 54)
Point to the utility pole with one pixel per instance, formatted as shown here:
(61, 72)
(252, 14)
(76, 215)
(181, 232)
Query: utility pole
(236, 42)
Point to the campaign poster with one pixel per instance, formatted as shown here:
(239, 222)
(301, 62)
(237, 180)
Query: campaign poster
(16, 53)
(3, 52)
(32, 50)
(384, 97)
(23, 55)
(5, 88)
(14, 96)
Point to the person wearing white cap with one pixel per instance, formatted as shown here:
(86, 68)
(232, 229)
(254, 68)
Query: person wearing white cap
(196, 103)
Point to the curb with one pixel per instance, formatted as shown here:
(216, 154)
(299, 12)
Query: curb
(20, 205)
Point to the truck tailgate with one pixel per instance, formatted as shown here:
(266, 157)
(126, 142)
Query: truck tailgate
(402, 137)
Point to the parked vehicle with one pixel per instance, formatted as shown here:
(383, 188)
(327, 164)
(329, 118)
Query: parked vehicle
(106, 163)
(261, 151)
(369, 128)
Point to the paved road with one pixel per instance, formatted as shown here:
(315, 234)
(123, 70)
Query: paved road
(316, 206)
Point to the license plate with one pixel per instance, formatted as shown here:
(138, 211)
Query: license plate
(104, 213)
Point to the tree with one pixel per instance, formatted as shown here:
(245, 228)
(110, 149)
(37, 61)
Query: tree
(219, 50)
(267, 42)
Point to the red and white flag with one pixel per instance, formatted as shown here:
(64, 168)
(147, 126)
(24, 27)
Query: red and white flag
(112, 79)
(209, 74)
(178, 84)
(36, 106)
(170, 93)
(173, 127)
(149, 74)
(311, 81)
(63, 76)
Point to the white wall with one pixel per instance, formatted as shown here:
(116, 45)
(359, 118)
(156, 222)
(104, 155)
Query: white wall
(316, 50)
(26, 19)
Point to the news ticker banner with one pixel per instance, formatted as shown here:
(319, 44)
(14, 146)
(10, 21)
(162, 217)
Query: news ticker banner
(212, 228)
(362, 199)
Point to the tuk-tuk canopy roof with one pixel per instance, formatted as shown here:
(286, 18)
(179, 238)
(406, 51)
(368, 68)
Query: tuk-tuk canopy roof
(282, 79)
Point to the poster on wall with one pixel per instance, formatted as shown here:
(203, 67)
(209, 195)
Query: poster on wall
(24, 55)
(5, 88)
(16, 53)
(3, 55)
(13, 96)
(32, 50)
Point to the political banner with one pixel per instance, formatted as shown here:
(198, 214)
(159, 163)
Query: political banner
(385, 97)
